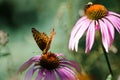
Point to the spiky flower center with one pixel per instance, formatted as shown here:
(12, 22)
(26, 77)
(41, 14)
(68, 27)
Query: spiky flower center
(49, 61)
(96, 11)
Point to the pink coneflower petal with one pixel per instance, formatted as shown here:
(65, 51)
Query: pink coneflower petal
(79, 34)
(107, 33)
(113, 13)
(64, 74)
(30, 73)
(79, 21)
(40, 74)
(53, 76)
(90, 37)
(61, 55)
(72, 73)
(77, 25)
(28, 63)
(105, 36)
(50, 75)
(74, 64)
(110, 30)
(75, 30)
(115, 21)
(60, 74)
(71, 64)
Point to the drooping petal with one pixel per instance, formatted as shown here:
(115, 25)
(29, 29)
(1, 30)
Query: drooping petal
(73, 74)
(53, 76)
(75, 30)
(60, 74)
(28, 63)
(77, 25)
(30, 73)
(50, 75)
(36, 58)
(47, 75)
(80, 20)
(110, 30)
(70, 63)
(115, 21)
(105, 36)
(65, 74)
(90, 37)
(79, 34)
(40, 74)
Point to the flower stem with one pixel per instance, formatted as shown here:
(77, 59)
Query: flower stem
(107, 60)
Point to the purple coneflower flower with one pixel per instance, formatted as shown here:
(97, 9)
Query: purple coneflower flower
(97, 17)
(49, 66)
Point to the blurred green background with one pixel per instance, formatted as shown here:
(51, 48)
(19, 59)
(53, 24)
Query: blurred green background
(17, 17)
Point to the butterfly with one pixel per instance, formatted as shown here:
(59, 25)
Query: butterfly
(42, 40)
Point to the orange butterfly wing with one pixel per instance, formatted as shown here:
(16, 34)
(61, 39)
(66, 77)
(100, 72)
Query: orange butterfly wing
(41, 39)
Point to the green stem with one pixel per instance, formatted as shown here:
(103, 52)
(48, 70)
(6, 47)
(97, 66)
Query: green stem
(107, 60)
